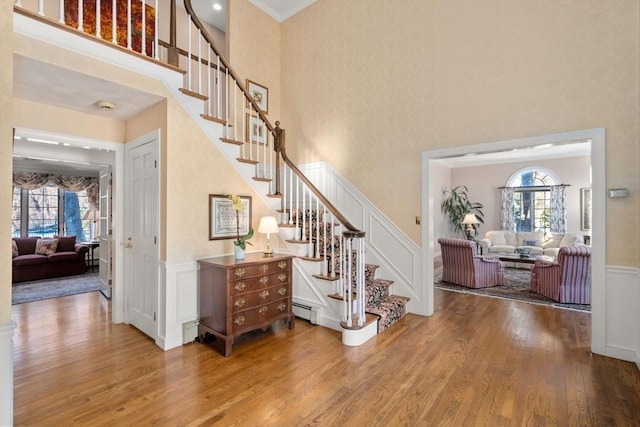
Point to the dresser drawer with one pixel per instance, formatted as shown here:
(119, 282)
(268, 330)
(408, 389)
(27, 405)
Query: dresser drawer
(261, 315)
(252, 284)
(251, 299)
(245, 272)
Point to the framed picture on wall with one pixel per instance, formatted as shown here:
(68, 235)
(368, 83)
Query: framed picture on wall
(585, 208)
(256, 130)
(260, 94)
(222, 218)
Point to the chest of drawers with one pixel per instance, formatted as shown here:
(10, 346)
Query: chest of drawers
(241, 296)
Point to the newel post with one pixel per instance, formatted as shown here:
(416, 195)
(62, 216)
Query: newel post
(278, 146)
(172, 50)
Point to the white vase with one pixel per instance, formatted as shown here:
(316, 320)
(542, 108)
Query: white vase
(239, 252)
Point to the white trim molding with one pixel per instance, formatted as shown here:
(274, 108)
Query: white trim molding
(623, 316)
(6, 373)
(177, 301)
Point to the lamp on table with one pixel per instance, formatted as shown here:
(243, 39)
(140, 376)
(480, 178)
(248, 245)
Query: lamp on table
(470, 221)
(268, 225)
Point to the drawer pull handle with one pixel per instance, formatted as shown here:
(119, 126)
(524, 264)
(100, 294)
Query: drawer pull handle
(240, 302)
(282, 277)
(264, 294)
(240, 286)
(264, 279)
(263, 309)
(282, 306)
(264, 268)
(239, 320)
(240, 272)
(282, 265)
(282, 291)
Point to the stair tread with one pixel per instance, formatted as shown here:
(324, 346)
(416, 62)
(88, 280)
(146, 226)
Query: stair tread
(231, 141)
(257, 178)
(248, 161)
(194, 94)
(213, 119)
(327, 277)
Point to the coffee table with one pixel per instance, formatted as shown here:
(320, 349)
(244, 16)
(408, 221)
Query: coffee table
(523, 260)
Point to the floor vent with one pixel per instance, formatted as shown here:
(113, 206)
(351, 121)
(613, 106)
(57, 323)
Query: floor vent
(306, 312)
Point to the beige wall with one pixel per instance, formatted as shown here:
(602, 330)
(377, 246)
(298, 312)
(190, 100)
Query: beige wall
(6, 148)
(369, 85)
(255, 49)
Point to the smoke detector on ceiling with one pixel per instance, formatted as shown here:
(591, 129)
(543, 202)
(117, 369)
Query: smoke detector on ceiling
(106, 105)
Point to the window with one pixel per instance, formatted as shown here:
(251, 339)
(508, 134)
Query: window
(532, 199)
(47, 211)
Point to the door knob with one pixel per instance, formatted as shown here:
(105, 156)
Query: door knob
(128, 244)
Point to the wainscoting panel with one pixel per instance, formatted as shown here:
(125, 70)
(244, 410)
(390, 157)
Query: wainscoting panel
(622, 314)
(178, 302)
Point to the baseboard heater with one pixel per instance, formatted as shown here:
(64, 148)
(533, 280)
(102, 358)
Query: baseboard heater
(305, 311)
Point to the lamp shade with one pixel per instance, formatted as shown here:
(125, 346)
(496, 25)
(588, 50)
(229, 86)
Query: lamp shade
(470, 219)
(268, 224)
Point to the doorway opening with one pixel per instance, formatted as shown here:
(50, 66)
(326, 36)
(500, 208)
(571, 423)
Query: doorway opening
(430, 211)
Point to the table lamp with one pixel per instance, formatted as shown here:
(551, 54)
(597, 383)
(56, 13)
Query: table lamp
(470, 220)
(268, 225)
(93, 215)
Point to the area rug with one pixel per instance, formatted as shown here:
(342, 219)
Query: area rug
(516, 287)
(37, 290)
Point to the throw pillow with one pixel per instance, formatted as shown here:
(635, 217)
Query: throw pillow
(496, 237)
(553, 240)
(568, 240)
(530, 242)
(14, 248)
(66, 243)
(46, 246)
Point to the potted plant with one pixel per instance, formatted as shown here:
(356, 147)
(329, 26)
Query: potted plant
(241, 242)
(456, 205)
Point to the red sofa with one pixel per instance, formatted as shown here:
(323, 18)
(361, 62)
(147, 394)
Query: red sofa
(67, 260)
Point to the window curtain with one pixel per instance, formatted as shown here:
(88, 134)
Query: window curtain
(508, 220)
(33, 180)
(558, 209)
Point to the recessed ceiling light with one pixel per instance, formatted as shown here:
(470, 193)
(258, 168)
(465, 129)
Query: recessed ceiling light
(216, 6)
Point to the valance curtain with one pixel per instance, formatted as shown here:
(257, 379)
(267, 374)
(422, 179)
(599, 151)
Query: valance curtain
(508, 219)
(33, 180)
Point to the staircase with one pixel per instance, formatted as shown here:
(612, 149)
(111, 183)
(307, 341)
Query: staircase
(331, 269)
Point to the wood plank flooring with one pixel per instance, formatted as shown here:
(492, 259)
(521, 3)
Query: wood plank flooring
(477, 361)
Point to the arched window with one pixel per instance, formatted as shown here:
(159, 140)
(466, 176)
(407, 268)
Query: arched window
(529, 200)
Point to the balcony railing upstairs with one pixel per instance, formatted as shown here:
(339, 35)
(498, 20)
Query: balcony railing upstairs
(313, 224)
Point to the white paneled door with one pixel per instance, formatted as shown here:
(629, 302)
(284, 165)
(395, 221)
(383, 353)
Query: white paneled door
(141, 233)
(105, 232)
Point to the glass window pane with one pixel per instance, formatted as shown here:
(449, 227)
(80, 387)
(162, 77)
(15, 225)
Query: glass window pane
(43, 211)
(16, 212)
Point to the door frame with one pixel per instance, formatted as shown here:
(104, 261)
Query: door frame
(597, 136)
(117, 165)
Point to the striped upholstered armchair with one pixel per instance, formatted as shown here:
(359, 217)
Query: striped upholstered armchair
(566, 280)
(462, 265)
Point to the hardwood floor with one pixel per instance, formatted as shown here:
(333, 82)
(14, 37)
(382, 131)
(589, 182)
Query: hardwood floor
(477, 361)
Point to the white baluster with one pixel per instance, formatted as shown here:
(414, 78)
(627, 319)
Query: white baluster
(324, 240)
(129, 24)
(360, 273)
(114, 30)
(218, 95)
(80, 15)
(290, 196)
(263, 129)
(297, 200)
(227, 103)
(98, 23)
(209, 88)
(41, 7)
(189, 77)
(143, 41)
(155, 34)
(60, 11)
(235, 114)
(347, 287)
(333, 249)
(199, 61)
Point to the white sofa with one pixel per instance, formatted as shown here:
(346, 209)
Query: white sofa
(539, 243)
